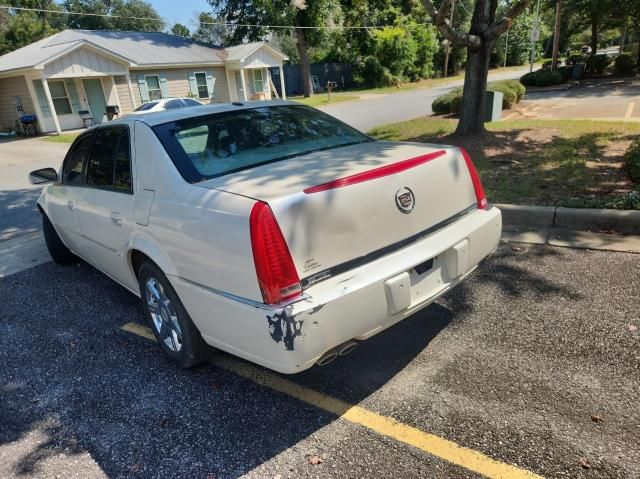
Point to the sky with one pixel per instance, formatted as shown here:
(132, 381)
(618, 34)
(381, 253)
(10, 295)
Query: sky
(182, 11)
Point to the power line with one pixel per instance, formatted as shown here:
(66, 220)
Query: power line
(222, 24)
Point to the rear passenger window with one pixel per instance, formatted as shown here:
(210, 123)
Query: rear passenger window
(110, 162)
(72, 169)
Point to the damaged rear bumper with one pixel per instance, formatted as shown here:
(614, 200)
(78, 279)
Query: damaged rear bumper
(356, 304)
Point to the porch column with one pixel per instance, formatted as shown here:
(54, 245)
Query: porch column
(284, 95)
(133, 98)
(54, 115)
(244, 84)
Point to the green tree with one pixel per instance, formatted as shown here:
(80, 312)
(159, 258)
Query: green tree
(209, 31)
(180, 30)
(296, 13)
(20, 28)
(486, 27)
(142, 16)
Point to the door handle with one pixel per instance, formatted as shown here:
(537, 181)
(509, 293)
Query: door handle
(116, 218)
(71, 205)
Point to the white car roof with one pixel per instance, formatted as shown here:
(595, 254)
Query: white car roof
(153, 118)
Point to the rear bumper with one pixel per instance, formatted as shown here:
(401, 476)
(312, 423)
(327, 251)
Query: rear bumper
(356, 304)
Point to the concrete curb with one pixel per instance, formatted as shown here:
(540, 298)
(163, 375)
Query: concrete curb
(582, 219)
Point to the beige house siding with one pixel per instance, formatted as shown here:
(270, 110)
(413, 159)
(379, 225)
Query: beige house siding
(9, 89)
(122, 87)
(178, 82)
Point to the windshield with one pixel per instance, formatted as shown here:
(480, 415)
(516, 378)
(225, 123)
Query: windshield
(214, 145)
(146, 106)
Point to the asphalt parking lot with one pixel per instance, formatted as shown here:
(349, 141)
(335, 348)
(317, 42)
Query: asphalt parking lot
(529, 368)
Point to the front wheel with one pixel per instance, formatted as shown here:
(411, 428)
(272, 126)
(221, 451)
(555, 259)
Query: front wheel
(57, 249)
(177, 336)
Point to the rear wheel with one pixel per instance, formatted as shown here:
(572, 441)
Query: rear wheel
(58, 251)
(177, 336)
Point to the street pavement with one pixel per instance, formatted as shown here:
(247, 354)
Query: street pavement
(381, 109)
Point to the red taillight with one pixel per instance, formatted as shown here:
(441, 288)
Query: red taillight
(475, 178)
(277, 275)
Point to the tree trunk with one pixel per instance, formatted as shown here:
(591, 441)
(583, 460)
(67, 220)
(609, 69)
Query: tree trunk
(594, 33)
(556, 36)
(475, 88)
(304, 63)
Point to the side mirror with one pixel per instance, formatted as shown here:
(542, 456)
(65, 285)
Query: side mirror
(42, 176)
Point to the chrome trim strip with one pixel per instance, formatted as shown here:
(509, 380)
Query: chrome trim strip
(240, 299)
(374, 255)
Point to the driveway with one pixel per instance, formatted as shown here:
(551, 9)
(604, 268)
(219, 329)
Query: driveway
(381, 109)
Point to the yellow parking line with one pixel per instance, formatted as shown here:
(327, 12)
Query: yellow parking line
(627, 116)
(436, 446)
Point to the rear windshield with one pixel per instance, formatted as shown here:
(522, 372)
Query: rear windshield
(146, 106)
(208, 146)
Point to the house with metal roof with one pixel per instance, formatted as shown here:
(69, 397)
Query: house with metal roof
(77, 74)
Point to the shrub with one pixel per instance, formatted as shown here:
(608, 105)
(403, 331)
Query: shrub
(632, 161)
(566, 73)
(624, 64)
(547, 78)
(547, 65)
(529, 79)
(597, 64)
(575, 58)
(444, 104)
(510, 96)
(518, 87)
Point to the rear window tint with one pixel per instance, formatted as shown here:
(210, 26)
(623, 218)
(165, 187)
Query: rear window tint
(215, 145)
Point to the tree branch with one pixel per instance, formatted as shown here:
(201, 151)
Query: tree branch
(504, 24)
(442, 24)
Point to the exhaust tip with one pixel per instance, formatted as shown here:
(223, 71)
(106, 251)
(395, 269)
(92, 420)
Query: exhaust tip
(327, 358)
(347, 348)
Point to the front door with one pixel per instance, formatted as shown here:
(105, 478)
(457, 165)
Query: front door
(239, 86)
(63, 197)
(95, 99)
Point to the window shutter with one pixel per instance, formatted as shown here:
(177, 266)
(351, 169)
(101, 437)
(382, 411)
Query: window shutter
(73, 95)
(42, 98)
(163, 85)
(193, 85)
(144, 93)
(211, 82)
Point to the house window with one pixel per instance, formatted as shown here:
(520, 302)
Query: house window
(257, 81)
(60, 98)
(153, 87)
(201, 82)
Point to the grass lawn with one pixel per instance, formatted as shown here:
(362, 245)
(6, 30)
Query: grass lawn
(321, 99)
(575, 163)
(64, 138)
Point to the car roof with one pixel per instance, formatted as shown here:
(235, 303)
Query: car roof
(153, 118)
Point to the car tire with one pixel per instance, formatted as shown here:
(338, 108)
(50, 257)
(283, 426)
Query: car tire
(57, 249)
(176, 335)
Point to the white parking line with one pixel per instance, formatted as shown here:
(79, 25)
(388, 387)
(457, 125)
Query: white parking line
(627, 116)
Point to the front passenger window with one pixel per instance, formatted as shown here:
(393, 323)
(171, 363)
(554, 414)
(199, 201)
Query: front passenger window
(110, 162)
(72, 169)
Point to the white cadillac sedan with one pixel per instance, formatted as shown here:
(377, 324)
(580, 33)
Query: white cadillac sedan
(270, 230)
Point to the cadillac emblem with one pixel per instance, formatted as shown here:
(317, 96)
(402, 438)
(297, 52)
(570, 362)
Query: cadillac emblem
(405, 200)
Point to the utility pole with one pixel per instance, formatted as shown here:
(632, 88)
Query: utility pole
(535, 35)
(556, 36)
(446, 54)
